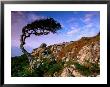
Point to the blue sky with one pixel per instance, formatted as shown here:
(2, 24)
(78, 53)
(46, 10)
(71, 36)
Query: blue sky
(75, 24)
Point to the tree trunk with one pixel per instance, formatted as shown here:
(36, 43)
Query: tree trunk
(26, 53)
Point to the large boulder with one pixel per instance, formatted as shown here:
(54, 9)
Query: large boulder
(43, 45)
(38, 52)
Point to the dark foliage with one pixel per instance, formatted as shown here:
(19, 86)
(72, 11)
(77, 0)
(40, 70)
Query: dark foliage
(38, 28)
(87, 71)
(47, 67)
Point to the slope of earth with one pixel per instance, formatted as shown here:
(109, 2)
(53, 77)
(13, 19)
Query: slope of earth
(79, 58)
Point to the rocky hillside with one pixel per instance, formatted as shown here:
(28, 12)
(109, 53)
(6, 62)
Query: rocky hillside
(80, 58)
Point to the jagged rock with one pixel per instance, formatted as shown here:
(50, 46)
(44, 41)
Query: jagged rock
(43, 45)
(40, 51)
(66, 73)
(73, 66)
(84, 51)
(90, 53)
(76, 73)
(67, 59)
(71, 72)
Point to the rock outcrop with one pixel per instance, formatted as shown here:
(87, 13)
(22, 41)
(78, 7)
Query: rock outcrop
(86, 52)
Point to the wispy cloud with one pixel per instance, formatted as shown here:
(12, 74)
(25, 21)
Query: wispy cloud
(89, 15)
(33, 17)
(89, 25)
(89, 29)
(18, 16)
(87, 18)
(86, 26)
(74, 26)
(18, 20)
(73, 31)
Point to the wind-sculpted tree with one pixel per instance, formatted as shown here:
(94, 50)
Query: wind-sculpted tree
(38, 28)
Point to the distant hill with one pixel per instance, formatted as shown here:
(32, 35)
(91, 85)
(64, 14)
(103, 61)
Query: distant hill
(72, 49)
(68, 59)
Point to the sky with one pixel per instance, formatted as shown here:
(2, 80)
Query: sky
(75, 24)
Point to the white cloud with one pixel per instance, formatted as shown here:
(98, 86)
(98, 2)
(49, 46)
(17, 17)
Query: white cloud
(89, 25)
(89, 32)
(62, 25)
(89, 29)
(89, 15)
(87, 18)
(73, 30)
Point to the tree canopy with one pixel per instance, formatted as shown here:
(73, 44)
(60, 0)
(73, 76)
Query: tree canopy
(40, 27)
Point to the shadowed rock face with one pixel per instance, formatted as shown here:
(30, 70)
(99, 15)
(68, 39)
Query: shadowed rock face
(85, 51)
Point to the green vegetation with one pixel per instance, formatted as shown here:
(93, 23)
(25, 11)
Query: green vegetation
(20, 67)
(88, 71)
